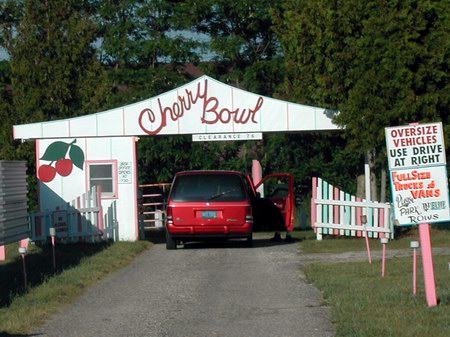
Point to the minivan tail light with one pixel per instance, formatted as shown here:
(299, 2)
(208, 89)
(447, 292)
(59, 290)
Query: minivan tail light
(248, 215)
(169, 217)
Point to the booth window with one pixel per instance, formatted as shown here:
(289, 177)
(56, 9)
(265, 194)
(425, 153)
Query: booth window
(103, 174)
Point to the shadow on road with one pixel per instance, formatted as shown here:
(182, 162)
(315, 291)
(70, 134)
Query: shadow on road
(257, 243)
(158, 237)
(4, 334)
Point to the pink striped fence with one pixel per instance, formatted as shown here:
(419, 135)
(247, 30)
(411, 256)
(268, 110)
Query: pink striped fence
(334, 212)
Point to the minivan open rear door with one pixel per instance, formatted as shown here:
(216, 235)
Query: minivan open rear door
(279, 189)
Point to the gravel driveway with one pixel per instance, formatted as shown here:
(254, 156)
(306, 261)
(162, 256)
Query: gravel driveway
(214, 289)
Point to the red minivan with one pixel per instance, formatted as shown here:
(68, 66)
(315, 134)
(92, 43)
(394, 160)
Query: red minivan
(208, 204)
(225, 205)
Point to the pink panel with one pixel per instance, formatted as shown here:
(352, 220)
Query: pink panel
(381, 220)
(136, 190)
(358, 218)
(24, 243)
(256, 172)
(313, 205)
(427, 262)
(2, 253)
(336, 211)
(101, 225)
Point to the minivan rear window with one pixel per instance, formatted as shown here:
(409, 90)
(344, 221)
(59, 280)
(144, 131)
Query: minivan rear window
(208, 187)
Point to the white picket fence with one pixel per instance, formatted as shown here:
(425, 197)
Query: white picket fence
(82, 219)
(334, 212)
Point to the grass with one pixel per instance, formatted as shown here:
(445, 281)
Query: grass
(365, 304)
(78, 267)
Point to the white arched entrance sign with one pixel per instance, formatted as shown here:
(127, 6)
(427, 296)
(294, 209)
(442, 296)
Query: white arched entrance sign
(72, 154)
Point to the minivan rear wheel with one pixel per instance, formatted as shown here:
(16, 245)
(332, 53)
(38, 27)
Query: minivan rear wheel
(170, 242)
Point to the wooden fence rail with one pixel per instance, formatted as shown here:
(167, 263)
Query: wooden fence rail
(334, 212)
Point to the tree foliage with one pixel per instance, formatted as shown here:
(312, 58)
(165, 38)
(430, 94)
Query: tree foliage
(240, 41)
(50, 82)
(10, 16)
(381, 63)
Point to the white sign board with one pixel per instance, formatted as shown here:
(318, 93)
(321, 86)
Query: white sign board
(125, 172)
(216, 137)
(420, 195)
(60, 223)
(416, 157)
(415, 146)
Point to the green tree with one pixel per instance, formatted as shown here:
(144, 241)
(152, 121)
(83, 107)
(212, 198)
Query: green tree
(10, 15)
(144, 33)
(381, 63)
(6, 112)
(118, 23)
(163, 157)
(312, 154)
(51, 81)
(241, 42)
(163, 35)
(143, 47)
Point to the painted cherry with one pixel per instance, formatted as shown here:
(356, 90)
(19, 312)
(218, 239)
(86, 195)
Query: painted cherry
(64, 167)
(46, 173)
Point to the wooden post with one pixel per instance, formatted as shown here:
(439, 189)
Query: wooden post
(414, 245)
(366, 236)
(52, 232)
(22, 252)
(384, 241)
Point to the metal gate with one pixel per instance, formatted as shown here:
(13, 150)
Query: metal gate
(152, 206)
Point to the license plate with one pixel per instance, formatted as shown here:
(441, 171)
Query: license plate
(209, 214)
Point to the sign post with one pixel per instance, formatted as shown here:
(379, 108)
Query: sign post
(419, 185)
(414, 245)
(427, 264)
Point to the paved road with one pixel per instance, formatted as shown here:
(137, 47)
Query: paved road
(202, 290)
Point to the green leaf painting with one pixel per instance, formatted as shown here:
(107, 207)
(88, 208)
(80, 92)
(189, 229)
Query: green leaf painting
(77, 156)
(55, 151)
(59, 150)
